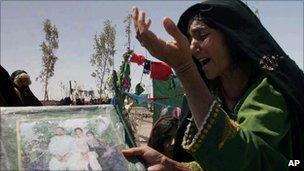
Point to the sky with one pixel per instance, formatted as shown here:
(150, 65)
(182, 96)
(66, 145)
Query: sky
(79, 21)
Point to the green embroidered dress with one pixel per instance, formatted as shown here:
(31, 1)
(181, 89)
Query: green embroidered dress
(259, 138)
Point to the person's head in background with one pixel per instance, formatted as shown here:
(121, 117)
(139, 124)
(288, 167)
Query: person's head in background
(21, 78)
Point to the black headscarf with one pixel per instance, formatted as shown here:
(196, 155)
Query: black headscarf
(252, 42)
(27, 96)
(16, 73)
(8, 96)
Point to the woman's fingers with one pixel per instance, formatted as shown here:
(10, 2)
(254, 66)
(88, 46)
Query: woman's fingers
(141, 20)
(135, 17)
(136, 151)
(157, 167)
(146, 37)
(148, 23)
(173, 30)
(135, 14)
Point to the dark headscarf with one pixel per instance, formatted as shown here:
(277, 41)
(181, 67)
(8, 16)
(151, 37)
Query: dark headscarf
(17, 72)
(27, 96)
(250, 41)
(8, 96)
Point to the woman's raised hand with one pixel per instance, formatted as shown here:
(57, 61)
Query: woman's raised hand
(176, 53)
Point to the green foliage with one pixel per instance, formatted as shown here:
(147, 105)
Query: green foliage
(92, 126)
(70, 131)
(108, 136)
(103, 57)
(48, 56)
(44, 131)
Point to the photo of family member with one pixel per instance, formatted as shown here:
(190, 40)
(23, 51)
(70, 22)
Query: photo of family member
(70, 144)
(60, 148)
(82, 158)
(96, 147)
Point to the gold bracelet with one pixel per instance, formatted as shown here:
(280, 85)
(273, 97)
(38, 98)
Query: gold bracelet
(193, 166)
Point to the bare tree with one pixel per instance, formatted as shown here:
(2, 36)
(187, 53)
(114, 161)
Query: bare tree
(128, 21)
(48, 56)
(103, 57)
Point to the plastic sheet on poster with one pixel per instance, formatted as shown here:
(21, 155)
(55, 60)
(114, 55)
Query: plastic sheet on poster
(63, 138)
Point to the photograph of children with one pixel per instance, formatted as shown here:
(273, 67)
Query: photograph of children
(70, 144)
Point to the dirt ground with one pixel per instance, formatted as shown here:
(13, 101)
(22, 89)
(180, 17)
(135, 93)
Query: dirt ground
(141, 121)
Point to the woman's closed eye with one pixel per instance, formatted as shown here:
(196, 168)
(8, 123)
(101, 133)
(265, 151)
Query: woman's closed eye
(199, 36)
(202, 36)
(199, 39)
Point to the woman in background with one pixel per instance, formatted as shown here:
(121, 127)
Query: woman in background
(22, 82)
(8, 95)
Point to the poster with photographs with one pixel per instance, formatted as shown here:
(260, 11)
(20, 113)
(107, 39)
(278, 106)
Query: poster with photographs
(63, 138)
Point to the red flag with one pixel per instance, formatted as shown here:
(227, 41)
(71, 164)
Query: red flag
(139, 59)
(160, 71)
